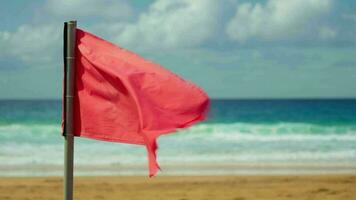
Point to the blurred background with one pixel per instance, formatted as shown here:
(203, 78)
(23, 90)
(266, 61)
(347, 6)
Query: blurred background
(281, 75)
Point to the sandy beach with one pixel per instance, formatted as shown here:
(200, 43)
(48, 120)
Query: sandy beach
(184, 188)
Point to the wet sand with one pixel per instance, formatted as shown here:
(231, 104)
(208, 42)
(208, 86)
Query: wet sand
(184, 188)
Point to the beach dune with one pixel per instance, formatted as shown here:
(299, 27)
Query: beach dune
(184, 188)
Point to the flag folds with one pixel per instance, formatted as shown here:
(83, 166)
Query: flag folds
(121, 97)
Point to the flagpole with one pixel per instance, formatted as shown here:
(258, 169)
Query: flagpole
(69, 48)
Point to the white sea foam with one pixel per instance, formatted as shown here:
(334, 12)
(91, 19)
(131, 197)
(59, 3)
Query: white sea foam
(42, 145)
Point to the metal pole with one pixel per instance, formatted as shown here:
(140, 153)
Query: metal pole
(69, 45)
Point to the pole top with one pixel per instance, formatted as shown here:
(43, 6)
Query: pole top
(72, 22)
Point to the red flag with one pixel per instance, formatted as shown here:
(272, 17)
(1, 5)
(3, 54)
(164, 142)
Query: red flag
(121, 97)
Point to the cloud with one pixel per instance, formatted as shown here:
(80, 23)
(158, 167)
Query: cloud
(31, 44)
(172, 24)
(168, 24)
(279, 20)
(349, 17)
(108, 9)
(39, 45)
(326, 32)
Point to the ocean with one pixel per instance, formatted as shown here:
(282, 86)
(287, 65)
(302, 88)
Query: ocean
(244, 137)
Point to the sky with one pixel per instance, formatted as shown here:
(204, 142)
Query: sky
(230, 48)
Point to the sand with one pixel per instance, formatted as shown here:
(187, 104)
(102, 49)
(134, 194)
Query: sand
(184, 188)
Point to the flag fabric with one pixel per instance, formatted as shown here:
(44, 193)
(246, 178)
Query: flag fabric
(122, 97)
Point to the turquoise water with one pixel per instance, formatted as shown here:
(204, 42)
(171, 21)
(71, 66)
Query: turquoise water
(240, 137)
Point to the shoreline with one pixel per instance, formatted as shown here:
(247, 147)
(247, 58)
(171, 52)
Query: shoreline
(175, 169)
(184, 187)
